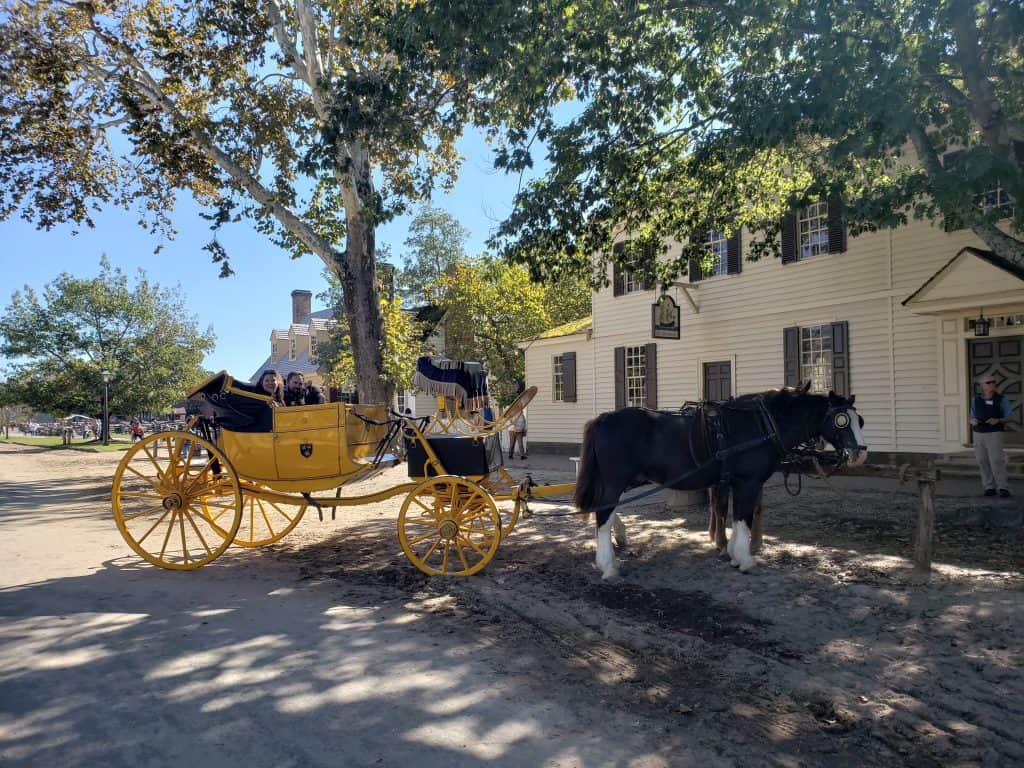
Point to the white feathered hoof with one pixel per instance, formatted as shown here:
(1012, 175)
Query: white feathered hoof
(740, 547)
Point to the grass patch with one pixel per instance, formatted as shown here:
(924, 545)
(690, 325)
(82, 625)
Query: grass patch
(55, 441)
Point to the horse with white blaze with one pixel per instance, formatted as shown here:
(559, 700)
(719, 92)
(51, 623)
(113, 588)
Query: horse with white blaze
(749, 438)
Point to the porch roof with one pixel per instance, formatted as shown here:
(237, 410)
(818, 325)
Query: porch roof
(973, 278)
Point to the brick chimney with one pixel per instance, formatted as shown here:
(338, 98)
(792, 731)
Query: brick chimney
(302, 302)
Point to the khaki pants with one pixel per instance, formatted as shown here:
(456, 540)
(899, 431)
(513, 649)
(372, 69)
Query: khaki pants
(988, 450)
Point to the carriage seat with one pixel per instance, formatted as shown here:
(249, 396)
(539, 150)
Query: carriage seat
(238, 406)
(467, 456)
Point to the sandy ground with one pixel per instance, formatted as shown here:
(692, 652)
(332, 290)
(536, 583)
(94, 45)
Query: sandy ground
(330, 649)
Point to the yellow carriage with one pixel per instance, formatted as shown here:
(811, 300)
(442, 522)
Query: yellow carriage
(246, 473)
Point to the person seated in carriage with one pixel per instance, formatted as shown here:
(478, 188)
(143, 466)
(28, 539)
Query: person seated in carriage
(270, 384)
(298, 392)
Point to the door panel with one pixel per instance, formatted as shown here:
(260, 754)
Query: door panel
(718, 380)
(1002, 358)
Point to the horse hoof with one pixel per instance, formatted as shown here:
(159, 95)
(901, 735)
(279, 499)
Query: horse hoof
(748, 566)
(611, 577)
(734, 562)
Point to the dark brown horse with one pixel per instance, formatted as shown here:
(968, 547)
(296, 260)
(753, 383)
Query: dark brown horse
(633, 445)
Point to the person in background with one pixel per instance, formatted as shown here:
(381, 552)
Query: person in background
(517, 435)
(990, 411)
(136, 430)
(271, 385)
(298, 392)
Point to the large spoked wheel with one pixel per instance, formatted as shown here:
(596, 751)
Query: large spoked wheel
(263, 521)
(449, 526)
(157, 500)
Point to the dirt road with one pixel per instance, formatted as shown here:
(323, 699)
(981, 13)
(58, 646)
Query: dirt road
(330, 649)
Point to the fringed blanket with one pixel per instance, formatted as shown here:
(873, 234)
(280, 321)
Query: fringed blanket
(466, 381)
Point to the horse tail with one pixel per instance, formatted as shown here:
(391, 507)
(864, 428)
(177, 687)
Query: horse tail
(589, 485)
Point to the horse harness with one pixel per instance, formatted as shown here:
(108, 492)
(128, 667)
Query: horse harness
(713, 431)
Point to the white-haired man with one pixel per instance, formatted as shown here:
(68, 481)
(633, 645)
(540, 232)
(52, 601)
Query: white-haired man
(989, 412)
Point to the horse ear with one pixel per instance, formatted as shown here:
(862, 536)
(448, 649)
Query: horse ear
(805, 388)
(852, 399)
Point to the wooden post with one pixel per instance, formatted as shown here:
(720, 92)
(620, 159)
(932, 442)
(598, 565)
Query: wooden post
(923, 543)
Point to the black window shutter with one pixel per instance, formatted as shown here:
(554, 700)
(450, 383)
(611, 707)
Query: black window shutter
(620, 377)
(651, 367)
(952, 222)
(841, 358)
(734, 253)
(696, 273)
(789, 238)
(569, 377)
(617, 281)
(649, 258)
(791, 356)
(836, 224)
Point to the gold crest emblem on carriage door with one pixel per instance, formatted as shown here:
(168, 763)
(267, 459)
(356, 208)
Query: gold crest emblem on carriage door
(306, 449)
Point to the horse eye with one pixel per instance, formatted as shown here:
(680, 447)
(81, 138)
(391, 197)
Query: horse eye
(842, 420)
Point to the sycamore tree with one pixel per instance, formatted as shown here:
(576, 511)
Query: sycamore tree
(402, 342)
(490, 306)
(318, 120)
(697, 115)
(61, 340)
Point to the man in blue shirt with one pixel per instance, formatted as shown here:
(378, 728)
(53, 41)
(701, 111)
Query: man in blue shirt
(989, 412)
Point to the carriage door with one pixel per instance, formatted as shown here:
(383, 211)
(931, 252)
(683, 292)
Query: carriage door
(1004, 359)
(718, 381)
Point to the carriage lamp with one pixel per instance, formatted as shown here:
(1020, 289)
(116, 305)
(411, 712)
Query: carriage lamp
(106, 410)
(982, 324)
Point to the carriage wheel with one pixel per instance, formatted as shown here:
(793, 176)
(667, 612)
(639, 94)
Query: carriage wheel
(263, 521)
(157, 500)
(449, 526)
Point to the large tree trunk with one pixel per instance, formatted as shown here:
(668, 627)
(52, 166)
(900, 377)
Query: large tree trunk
(357, 271)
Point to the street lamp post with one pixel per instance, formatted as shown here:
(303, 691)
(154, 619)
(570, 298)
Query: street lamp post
(106, 410)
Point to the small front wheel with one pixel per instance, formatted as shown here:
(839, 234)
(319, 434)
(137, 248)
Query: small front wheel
(449, 526)
(157, 500)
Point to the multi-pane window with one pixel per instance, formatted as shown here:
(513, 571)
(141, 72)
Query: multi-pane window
(291, 348)
(631, 282)
(997, 199)
(636, 376)
(718, 245)
(557, 380)
(312, 345)
(816, 357)
(403, 400)
(813, 230)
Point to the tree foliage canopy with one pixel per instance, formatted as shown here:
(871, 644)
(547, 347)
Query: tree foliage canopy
(65, 338)
(436, 241)
(316, 119)
(693, 115)
(491, 306)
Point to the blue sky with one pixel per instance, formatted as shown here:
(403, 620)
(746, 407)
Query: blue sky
(242, 309)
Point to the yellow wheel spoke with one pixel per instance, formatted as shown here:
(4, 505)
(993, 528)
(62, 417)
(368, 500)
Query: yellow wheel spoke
(433, 548)
(181, 522)
(143, 513)
(136, 494)
(200, 535)
(462, 556)
(266, 519)
(421, 504)
(423, 537)
(167, 538)
(199, 474)
(473, 544)
(444, 558)
(153, 460)
(153, 527)
(151, 481)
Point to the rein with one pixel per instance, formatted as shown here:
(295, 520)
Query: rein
(722, 455)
